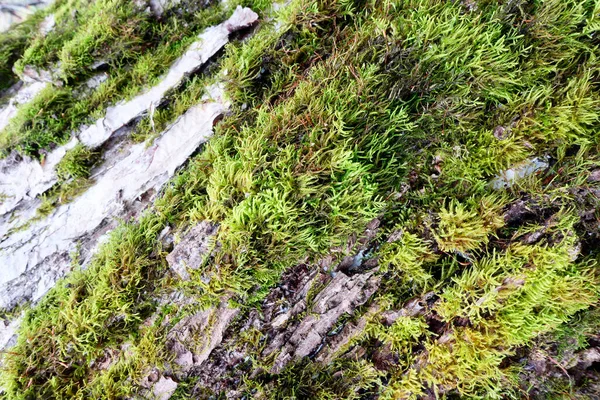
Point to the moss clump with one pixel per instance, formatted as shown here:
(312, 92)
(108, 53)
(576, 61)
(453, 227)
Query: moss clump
(462, 230)
(12, 45)
(76, 163)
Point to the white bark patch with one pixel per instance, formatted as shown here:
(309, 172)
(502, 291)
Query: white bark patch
(27, 179)
(210, 42)
(47, 25)
(164, 388)
(25, 94)
(34, 259)
(96, 80)
(8, 332)
(24, 178)
(508, 178)
(158, 7)
(15, 11)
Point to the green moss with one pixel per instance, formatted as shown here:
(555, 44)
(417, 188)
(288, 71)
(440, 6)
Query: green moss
(12, 45)
(76, 163)
(47, 120)
(351, 111)
(406, 258)
(344, 379)
(461, 230)
(85, 311)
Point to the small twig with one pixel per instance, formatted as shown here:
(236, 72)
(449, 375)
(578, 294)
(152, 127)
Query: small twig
(559, 365)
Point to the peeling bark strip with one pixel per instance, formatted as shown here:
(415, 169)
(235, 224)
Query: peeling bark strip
(22, 178)
(195, 337)
(191, 341)
(39, 178)
(193, 249)
(34, 259)
(210, 42)
(343, 294)
(302, 312)
(306, 325)
(337, 343)
(16, 11)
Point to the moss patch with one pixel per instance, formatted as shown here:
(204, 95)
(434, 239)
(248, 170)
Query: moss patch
(400, 110)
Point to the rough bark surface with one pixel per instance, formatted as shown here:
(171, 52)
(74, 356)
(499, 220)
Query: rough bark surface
(36, 257)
